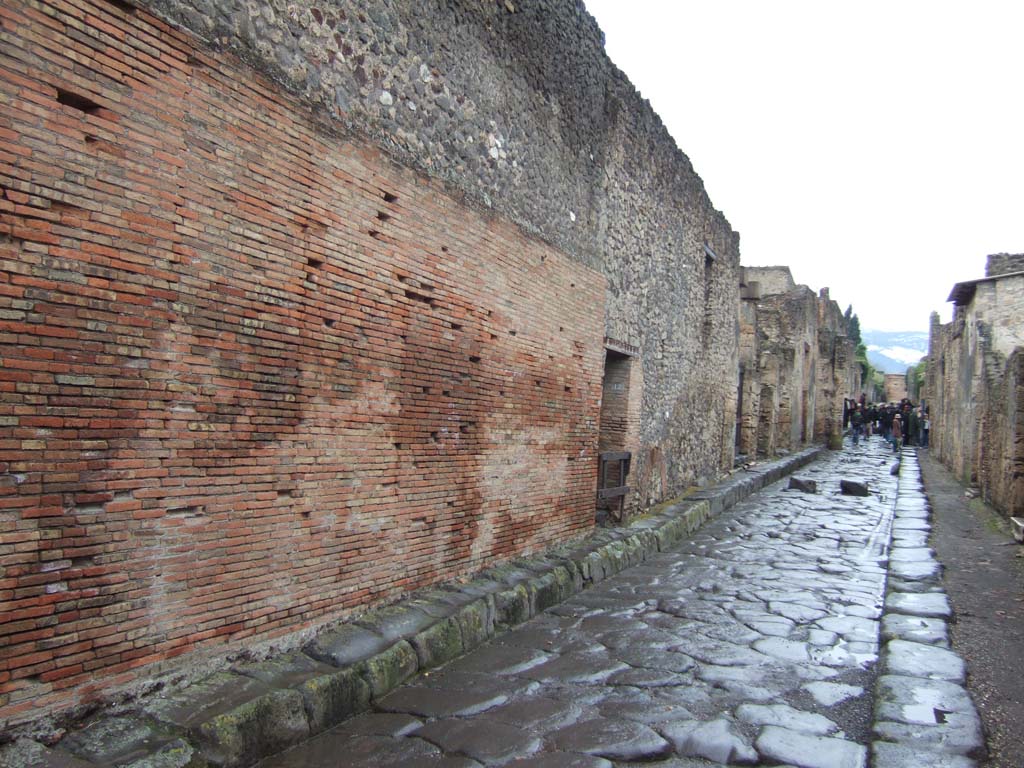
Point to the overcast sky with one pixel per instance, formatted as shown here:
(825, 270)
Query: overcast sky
(876, 148)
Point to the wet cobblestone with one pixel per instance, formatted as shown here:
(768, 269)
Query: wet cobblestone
(754, 642)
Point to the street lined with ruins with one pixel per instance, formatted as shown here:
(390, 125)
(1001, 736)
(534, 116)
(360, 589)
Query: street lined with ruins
(756, 641)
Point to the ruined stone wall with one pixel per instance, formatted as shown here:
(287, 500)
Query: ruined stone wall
(1003, 264)
(302, 307)
(973, 385)
(895, 387)
(798, 364)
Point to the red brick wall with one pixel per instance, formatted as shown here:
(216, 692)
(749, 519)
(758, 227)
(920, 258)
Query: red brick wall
(253, 375)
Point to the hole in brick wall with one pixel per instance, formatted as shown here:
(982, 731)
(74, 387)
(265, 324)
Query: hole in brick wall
(314, 263)
(474, 358)
(328, 322)
(305, 513)
(465, 428)
(381, 216)
(187, 511)
(501, 393)
(374, 234)
(451, 503)
(77, 101)
(568, 389)
(572, 285)
(425, 390)
(538, 383)
(561, 329)
(446, 393)
(123, 5)
(398, 446)
(433, 437)
(389, 198)
(543, 258)
(456, 326)
(512, 333)
(392, 484)
(494, 336)
(419, 297)
(444, 249)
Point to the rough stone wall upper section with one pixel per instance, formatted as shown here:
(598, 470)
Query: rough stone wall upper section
(999, 306)
(1004, 263)
(772, 280)
(516, 103)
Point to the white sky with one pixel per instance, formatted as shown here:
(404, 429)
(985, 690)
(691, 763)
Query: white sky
(876, 148)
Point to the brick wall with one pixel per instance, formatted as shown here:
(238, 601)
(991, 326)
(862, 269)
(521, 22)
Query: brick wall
(254, 374)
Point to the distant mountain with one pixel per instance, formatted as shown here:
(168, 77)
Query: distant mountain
(895, 351)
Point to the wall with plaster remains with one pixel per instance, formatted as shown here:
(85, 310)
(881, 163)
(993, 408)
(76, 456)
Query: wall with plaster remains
(303, 307)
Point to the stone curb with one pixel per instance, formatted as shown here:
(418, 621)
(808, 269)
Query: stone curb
(234, 718)
(923, 713)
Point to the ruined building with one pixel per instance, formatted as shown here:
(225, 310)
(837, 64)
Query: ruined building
(796, 365)
(975, 383)
(305, 306)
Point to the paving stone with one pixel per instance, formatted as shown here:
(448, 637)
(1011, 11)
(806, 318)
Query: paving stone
(911, 554)
(915, 629)
(780, 648)
(591, 668)
(25, 753)
(928, 571)
(324, 751)
(808, 751)
(531, 711)
(715, 741)
(829, 694)
(433, 702)
(934, 714)
(920, 660)
(928, 605)
(495, 743)
(501, 660)
(560, 760)
(851, 628)
(786, 716)
(379, 724)
(801, 614)
(612, 739)
(911, 524)
(888, 755)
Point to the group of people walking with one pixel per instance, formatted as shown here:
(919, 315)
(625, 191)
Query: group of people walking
(900, 423)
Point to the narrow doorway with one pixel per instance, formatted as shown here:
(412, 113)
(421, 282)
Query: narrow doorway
(613, 466)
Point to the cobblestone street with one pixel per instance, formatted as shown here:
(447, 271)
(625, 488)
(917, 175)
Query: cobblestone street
(757, 641)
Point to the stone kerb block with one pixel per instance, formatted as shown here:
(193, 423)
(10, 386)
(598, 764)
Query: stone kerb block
(802, 484)
(853, 488)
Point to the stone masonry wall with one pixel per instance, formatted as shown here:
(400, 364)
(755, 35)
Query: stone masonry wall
(797, 364)
(285, 339)
(254, 375)
(973, 387)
